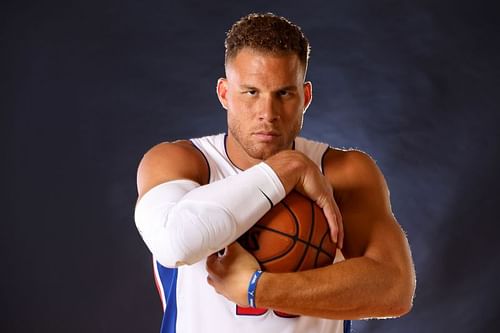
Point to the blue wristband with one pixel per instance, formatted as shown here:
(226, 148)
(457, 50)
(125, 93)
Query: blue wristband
(251, 288)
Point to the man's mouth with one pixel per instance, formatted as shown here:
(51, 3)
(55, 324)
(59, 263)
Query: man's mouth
(265, 135)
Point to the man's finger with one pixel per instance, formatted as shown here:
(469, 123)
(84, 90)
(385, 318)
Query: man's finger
(341, 232)
(331, 219)
(209, 264)
(340, 224)
(210, 281)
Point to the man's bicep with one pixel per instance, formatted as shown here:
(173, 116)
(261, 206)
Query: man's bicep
(369, 235)
(171, 161)
(366, 210)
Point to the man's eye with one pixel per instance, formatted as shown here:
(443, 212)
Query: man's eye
(284, 93)
(251, 92)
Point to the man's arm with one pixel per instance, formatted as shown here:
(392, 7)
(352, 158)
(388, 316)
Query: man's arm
(377, 278)
(170, 161)
(182, 222)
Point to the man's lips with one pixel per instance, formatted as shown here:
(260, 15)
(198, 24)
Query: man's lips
(266, 135)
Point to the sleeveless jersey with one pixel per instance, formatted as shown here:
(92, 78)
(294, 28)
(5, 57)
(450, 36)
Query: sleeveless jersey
(191, 305)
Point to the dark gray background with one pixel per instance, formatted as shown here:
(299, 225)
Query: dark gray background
(88, 86)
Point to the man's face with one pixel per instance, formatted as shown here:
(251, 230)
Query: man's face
(265, 97)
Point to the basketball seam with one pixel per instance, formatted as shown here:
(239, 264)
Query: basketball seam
(323, 238)
(295, 239)
(297, 235)
(311, 230)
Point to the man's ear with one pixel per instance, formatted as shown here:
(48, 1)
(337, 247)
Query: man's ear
(222, 91)
(307, 94)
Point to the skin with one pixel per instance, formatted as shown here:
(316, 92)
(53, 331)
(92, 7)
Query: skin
(265, 97)
(264, 112)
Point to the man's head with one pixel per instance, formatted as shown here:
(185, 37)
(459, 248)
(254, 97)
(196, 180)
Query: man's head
(264, 91)
(267, 33)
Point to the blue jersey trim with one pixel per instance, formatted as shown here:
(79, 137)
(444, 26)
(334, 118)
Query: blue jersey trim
(347, 326)
(168, 280)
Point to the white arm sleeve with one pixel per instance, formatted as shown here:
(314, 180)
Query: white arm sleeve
(182, 222)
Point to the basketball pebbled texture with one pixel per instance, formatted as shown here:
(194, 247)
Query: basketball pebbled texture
(292, 236)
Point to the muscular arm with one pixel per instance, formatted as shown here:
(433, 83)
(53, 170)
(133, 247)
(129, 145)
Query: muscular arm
(377, 277)
(170, 161)
(182, 222)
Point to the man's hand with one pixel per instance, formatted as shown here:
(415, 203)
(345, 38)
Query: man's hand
(230, 274)
(298, 172)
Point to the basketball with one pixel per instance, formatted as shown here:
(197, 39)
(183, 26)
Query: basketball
(293, 236)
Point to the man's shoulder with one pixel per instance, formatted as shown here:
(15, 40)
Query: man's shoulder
(342, 158)
(173, 160)
(336, 155)
(171, 148)
(349, 166)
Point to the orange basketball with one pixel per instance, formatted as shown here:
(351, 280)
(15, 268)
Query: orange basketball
(292, 236)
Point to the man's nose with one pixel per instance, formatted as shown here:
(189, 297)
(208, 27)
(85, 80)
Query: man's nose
(268, 109)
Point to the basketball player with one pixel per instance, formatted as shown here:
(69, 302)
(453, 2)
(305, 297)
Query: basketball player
(197, 197)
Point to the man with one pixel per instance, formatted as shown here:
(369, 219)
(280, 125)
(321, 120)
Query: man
(197, 197)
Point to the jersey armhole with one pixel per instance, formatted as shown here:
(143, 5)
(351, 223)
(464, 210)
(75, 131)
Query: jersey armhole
(206, 162)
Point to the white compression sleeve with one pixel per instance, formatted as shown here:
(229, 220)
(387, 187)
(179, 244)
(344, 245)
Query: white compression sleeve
(182, 222)
(152, 213)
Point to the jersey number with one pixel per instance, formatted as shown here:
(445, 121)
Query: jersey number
(243, 311)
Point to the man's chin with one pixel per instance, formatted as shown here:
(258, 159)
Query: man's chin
(263, 153)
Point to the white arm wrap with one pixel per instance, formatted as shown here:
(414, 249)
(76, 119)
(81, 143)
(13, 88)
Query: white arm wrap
(182, 222)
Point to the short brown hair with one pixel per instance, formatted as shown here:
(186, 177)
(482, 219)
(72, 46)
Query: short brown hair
(267, 33)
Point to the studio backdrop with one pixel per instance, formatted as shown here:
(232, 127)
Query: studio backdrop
(87, 87)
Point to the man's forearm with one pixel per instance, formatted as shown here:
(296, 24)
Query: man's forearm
(353, 289)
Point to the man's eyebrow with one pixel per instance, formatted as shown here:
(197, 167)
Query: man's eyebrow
(247, 86)
(288, 88)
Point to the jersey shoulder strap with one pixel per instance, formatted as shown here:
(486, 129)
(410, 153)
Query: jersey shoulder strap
(313, 149)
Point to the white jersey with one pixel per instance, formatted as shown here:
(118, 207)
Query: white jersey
(192, 306)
